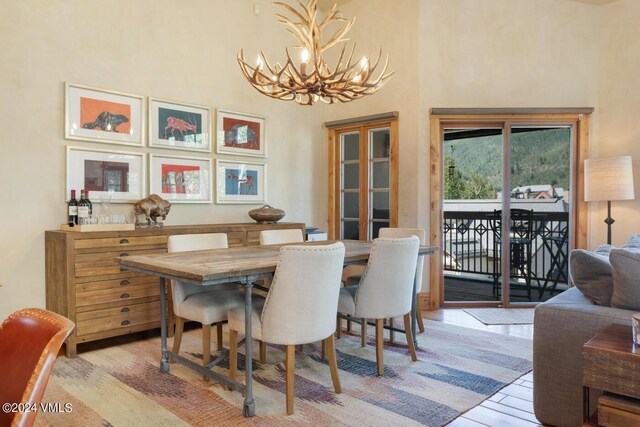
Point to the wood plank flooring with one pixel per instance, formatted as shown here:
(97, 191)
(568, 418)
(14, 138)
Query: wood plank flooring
(511, 406)
(468, 290)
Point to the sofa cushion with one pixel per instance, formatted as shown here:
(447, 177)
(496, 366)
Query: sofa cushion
(625, 263)
(590, 272)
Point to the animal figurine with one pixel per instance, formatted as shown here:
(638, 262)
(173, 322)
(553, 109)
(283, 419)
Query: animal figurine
(152, 207)
(107, 122)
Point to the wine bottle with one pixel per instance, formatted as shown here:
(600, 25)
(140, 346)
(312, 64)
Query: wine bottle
(72, 206)
(83, 208)
(86, 196)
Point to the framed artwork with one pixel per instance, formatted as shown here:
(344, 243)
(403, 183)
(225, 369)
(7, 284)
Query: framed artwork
(116, 175)
(241, 134)
(241, 182)
(180, 179)
(102, 115)
(179, 125)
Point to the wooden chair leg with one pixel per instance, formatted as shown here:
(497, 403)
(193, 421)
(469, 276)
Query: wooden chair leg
(392, 333)
(324, 349)
(419, 319)
(263, 352)
(290, 364)
(219, 334)
(407, 328)
(379, 348)
(301, 348)
(206, 346)
(177, 339)
(233, 354)
(363, 333)
(330, 344)
(339, 327)
(348, 326)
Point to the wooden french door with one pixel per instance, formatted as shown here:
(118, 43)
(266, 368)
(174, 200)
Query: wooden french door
(363, 179)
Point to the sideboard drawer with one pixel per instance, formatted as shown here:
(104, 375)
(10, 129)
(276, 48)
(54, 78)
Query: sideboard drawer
(125, 283)
(109, 319)
(115, 295)
(118, 243)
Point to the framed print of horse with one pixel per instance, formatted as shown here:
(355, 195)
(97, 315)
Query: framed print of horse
(102, 115)
(241, 134)
(179, 125)
(241, 182)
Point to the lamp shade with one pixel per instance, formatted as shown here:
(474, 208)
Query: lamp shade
(608, 179)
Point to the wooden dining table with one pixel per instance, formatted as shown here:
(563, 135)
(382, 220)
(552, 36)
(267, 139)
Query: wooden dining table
(239, 264)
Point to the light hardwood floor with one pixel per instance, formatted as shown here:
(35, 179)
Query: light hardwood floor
(513, 405)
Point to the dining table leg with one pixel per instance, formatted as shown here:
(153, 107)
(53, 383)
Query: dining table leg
(164, 361)
(248, 409)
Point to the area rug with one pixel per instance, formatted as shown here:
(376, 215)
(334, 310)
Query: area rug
(458, 368)
(502, 316)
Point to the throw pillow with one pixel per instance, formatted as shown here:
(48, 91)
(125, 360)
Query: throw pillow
(590, 272)
(625, 264)
(633, 242)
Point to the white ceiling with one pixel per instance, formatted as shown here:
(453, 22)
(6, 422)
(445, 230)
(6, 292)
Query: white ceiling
(598, 2)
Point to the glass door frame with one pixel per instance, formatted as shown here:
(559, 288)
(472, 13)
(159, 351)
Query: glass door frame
(579, 124)
(335, 177)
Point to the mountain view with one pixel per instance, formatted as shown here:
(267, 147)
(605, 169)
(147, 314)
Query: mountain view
(473, 166)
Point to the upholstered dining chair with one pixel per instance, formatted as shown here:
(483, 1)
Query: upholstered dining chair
(29, 343)
(420, 234)
(203, 304)
(391, 261)
(275, 237)
(300, 308)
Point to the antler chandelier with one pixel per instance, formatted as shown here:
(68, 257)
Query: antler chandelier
(312, 79)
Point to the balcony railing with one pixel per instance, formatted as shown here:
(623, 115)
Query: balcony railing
(470, 246)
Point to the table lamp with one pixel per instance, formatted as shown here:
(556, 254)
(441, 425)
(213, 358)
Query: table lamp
(608, 179)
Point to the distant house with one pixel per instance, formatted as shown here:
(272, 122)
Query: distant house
(544, 191)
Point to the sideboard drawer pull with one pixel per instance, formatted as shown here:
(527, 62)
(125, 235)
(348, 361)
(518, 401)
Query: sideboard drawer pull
(124, 254)
(124, 296)
(124, 241)
(125, 310)
(125, 282)
(125, 323)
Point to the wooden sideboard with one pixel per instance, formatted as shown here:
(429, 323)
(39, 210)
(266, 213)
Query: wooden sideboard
(85, 284)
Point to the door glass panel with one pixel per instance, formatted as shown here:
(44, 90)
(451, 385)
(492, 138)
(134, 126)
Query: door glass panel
(350, 230)
(380, 205)
(472, 192)
(350, 185)
(380, 174)
(351, 204)
(351, 146)
(540, 167)
(351, 176)
(380, 143)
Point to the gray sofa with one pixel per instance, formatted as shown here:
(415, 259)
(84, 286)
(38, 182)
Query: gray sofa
(561, 326)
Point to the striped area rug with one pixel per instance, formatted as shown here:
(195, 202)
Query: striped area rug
(458, 368)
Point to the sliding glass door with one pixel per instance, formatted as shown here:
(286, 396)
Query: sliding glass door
(506, 227)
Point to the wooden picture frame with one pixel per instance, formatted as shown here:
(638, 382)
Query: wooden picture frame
(180, 179)
(179, 125)
(241, 134)
(119, 176)
(101, 115)
(239, 182)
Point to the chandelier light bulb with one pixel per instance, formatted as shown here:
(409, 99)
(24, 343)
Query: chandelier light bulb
(304, 56)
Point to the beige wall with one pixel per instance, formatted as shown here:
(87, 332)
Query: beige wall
(618, 111)
(181, 50)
